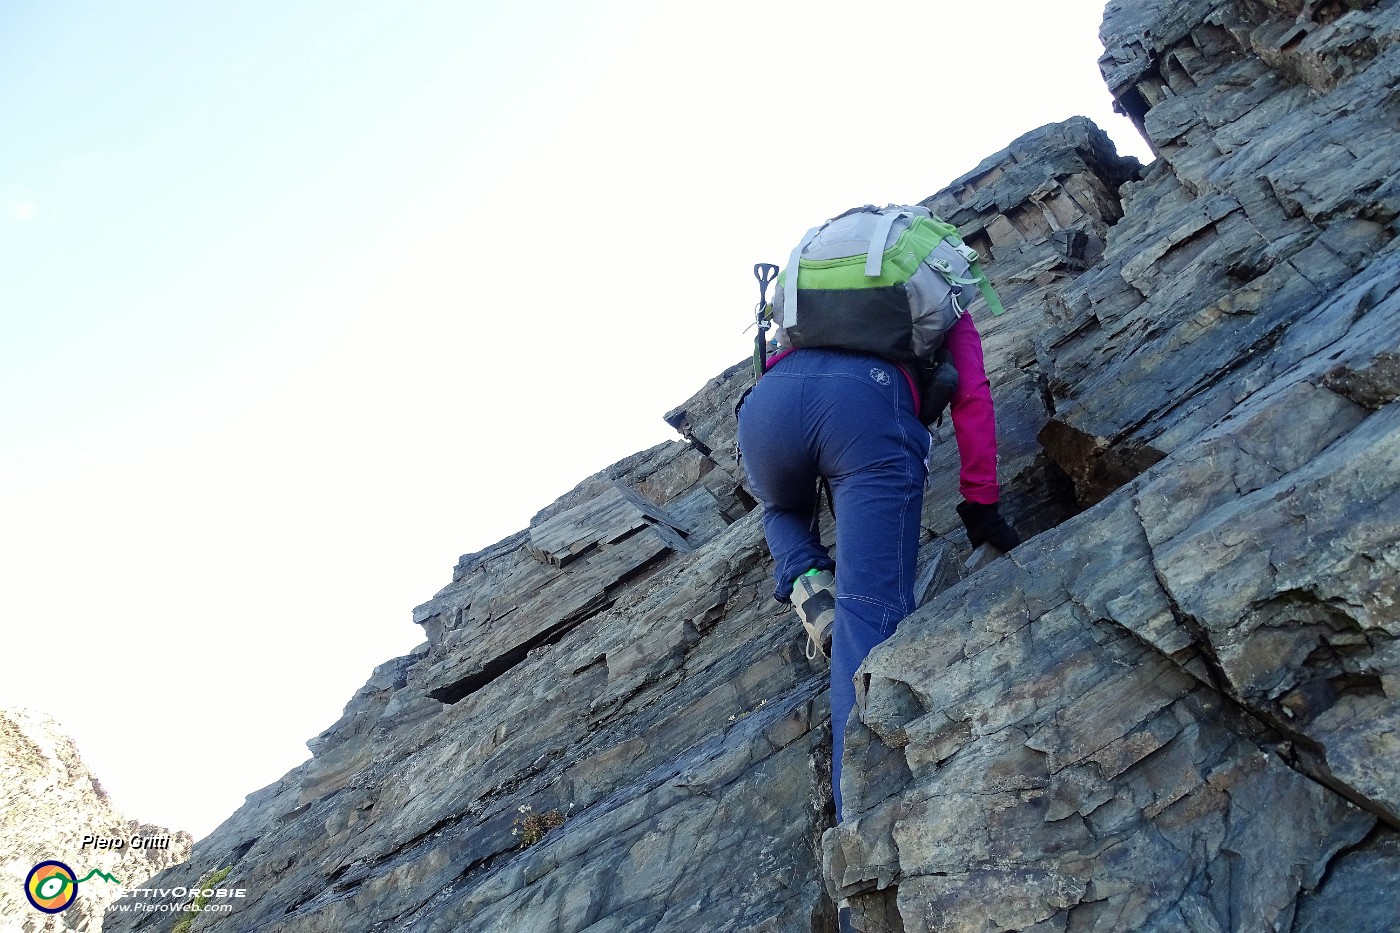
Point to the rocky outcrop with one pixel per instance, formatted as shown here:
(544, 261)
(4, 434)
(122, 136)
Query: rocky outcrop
(53, 808)
(619, 668)
(616, 668)
(1179, 709)
(1172, 708)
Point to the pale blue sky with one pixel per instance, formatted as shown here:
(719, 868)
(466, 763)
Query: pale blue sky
(172, 166)
(301, 300)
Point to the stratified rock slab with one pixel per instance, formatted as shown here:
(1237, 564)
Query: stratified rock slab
(1179, 710)
(1173, 708)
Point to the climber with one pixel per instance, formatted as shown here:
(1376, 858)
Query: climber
(853, 418)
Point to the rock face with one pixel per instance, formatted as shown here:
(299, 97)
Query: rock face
(49, 801)
(1179, 709)
(1172, 708)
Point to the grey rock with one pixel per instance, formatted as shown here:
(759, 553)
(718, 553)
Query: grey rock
(1257, 211)
(1085, 735)
(1356, 897)
(620, 663)
(1174, 707)
(49, 801)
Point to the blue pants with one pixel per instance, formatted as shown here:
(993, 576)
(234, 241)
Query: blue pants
(850, 418)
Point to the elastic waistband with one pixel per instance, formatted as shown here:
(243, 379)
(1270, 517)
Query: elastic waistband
(820, 357)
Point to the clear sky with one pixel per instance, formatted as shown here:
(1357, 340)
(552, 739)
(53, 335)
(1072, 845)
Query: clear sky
(300, 300)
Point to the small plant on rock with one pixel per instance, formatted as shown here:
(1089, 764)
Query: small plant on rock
(531, 827)
(205, 883)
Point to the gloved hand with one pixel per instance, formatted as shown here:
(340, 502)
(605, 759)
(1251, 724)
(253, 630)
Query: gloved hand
(985, 525)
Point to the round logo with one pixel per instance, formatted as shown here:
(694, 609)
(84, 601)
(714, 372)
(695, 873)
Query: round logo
(880, 376)
(51, 886)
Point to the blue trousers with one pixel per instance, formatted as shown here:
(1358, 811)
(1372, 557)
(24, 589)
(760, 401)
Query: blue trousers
(850, 418)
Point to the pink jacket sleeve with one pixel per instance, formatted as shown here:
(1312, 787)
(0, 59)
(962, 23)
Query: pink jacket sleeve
(974, 421)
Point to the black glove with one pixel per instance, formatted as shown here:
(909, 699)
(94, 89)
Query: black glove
(985, 525)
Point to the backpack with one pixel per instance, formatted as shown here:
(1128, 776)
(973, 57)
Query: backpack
(886, 281)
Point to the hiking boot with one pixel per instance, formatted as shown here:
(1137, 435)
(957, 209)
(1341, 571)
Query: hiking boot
(814, 598)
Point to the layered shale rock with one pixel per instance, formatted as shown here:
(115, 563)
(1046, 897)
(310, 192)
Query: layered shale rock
(1179, 710)
(620, 668)
(52, 808)
(617, 669)
(1172, 708)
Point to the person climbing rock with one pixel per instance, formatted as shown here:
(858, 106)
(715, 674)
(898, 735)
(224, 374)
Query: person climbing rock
(836, 409)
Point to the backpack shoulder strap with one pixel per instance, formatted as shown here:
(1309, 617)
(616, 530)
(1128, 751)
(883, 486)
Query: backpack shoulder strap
(790, 277)
(875, 253)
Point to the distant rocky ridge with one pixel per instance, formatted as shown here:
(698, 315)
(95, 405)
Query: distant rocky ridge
(1173, 708)
(49, 801)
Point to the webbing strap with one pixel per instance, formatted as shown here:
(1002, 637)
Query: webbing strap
(790, 282)
(945, 269)
(967, 252)
(974, 262)
(988, 293)
(875, 253)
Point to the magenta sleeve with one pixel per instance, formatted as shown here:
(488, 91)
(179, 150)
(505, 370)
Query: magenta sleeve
(974, 421)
